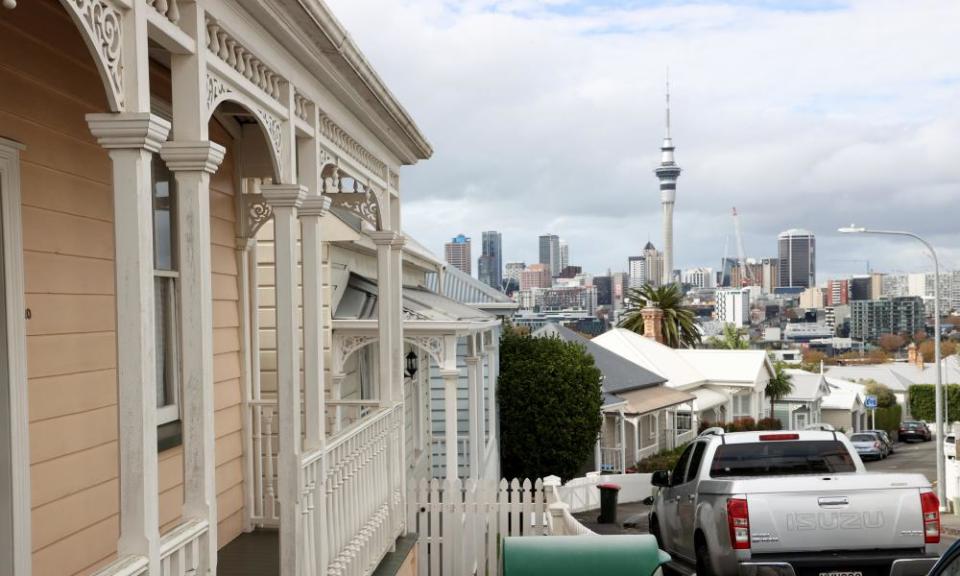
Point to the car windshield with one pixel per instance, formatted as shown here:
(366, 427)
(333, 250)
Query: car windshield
(781, 459)
(863, 438)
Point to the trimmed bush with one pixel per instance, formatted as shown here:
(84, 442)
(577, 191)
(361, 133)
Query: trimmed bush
(889, 419)
(922, 401)
(549, 399)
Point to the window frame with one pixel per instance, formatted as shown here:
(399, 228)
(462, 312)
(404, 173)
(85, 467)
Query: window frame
(171, 411)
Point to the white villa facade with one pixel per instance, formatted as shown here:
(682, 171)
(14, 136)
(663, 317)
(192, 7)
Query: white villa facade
(726, 384)
(213, 321)
(803, 406)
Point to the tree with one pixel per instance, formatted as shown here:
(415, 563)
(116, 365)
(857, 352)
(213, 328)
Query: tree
(812, 359)
(878, 356)
(549, 397)
(678, 326)
(891, 342)
(779, 386)
(730, 339)
(947, 348)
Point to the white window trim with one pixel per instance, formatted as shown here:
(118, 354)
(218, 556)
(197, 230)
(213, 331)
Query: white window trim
(18, 442)
(171, 412)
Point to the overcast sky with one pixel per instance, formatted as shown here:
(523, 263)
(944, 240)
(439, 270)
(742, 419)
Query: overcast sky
(548, 116)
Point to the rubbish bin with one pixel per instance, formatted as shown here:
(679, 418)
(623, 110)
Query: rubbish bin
(608, 503)
(613, 555)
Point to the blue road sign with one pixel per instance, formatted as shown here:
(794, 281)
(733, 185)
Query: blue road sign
(870, 401)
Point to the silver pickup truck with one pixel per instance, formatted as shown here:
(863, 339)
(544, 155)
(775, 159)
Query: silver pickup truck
(758, 503)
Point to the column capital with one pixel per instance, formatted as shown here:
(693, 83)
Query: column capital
(192, 156)
(314, 205)
(127, 130)
(446, 373)
(284, 195)
(387, 238)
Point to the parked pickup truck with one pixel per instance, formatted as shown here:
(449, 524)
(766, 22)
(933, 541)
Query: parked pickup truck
(758, 503)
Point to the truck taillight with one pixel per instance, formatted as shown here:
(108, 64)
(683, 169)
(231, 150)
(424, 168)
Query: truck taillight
(738, 519)
(930, 505)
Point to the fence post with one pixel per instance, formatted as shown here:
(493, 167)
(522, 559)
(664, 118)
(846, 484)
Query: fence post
(558, 523)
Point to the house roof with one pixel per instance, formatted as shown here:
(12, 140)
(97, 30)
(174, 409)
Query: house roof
(359, 302)
(807, 386)
(844, 395)
(898, 376)
(652, 355)
(707, 398)
(619, 374)
(645, 400)
(687, 367)
(465, 288)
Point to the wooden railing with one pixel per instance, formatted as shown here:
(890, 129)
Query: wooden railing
(169, 9)
(438, 450)
(611, 459)
(266, 447)
(362, 493)
(184, 550)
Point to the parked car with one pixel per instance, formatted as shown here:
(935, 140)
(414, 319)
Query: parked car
(914, 430)
(885, 438)
(750, 503)
(869, 445)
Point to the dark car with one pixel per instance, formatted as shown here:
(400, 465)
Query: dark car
(913, 430)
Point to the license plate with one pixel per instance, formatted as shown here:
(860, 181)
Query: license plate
(842, 573)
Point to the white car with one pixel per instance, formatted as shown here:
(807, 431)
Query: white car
(950, 445)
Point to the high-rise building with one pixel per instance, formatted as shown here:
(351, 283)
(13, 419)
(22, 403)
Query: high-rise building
(667, 173)
(564, 254)
(770, 274)
(838, 292)
(637, 271)
(654, 265)
(604, 286)
(535, 276)
(621, 283)
(490, 263)
(457, 253)
(699, 277)
(860, 288)
(797, 251)
(733, 306)
(811, 298)
(870, 319)
(550, 253)
(512, 270)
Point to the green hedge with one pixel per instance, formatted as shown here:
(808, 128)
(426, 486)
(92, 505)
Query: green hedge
(888, 418)
(662, 461)
(923, 401)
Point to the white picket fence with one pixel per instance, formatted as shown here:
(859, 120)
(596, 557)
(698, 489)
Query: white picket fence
(460, 524)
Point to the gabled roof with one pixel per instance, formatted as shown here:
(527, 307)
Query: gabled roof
(807, 386)
(651, 355)
(728, 365)
(619, 373)
(359, 302)
(898, 376)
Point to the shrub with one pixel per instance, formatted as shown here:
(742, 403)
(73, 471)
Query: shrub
(922, 401)
(743, 425)
(549, 399)
(769, 424)
(889, 419)
(662, 461)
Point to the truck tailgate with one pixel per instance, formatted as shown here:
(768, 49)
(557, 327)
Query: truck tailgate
(841, 512)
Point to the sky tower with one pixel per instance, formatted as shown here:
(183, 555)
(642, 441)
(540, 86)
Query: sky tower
(667, 173)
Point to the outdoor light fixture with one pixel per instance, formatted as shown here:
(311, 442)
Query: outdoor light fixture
(413, 363)
(938, 408)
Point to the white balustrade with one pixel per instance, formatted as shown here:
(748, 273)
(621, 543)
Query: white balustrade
(183, 549)
(266, 444)
(124, 566)
(169, 9)
(610, 459)
(438, 446)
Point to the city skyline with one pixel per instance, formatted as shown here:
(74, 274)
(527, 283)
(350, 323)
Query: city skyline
(858, 106)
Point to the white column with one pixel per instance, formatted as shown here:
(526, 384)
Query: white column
(192, 164)
(451, 378)
(314, 207)
(285, 200)
(131, 140)
(476, 447)
(386, 315)
(623, 443)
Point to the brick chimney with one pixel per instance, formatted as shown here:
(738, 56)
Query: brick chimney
(653, 323)
(914, 356)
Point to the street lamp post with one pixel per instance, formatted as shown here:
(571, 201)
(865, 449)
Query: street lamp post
(936, 342)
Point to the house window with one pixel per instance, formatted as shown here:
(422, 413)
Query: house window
(742, 406)
(165, 285)
(684, 420)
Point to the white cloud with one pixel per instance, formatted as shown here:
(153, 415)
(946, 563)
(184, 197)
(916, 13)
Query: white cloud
(547, 116)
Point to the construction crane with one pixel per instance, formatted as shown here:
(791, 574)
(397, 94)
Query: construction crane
(745, 275)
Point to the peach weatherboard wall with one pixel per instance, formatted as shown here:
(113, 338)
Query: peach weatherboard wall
(49, 83)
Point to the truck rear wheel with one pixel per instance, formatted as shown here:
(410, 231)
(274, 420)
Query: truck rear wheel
(702, 552)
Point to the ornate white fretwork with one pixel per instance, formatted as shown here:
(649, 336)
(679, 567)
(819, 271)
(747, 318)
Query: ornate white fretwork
(230, 50)
(394, 179)
(256, 213)
(273, 127)
(338, 136)
(347, 345)
(216, 89)
(102, 24)
(357, 198)
(432, 345)
(409, 314)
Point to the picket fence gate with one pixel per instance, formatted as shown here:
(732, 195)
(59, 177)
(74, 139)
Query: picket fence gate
(460, 524)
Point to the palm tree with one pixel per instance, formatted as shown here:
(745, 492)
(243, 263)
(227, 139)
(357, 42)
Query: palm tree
(731, 339)
(678, 327)
(779, 386)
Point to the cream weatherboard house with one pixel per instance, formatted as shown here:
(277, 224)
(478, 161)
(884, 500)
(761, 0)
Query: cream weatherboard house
(212, 320)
